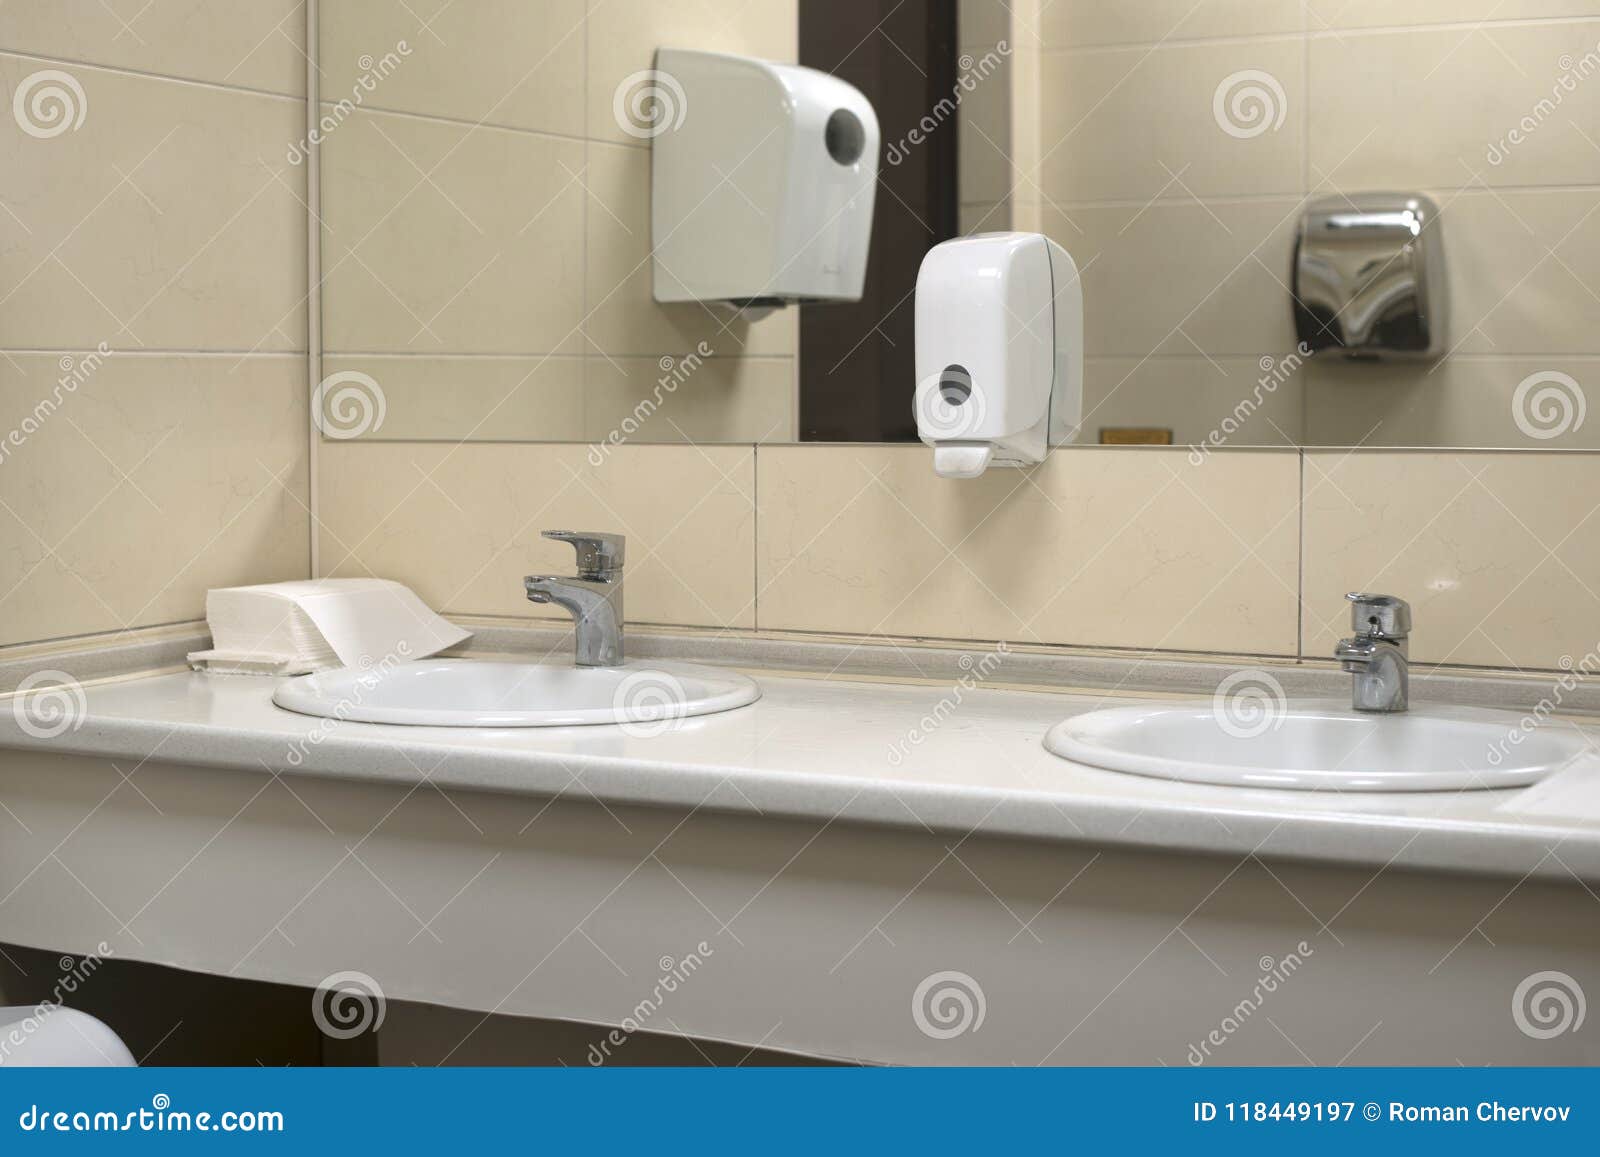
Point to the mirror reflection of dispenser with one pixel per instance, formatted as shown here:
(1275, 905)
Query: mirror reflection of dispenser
(762, 182)
(999, 325)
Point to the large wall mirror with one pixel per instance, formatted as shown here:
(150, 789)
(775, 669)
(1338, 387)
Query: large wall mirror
(485, 212)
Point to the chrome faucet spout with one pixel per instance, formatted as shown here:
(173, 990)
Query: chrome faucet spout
(1377, 655)
(593, 597)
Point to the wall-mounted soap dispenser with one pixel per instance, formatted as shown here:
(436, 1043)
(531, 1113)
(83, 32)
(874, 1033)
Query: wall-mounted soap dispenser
(762, 187)
(999, 322)
(1369, 276)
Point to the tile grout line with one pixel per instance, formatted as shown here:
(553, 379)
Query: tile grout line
(1300, 565)
(314, 351)
(119, 70)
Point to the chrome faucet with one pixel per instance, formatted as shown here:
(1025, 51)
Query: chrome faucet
(1377, 655)
(594, 597)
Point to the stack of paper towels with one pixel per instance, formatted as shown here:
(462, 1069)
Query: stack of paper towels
(291, 628)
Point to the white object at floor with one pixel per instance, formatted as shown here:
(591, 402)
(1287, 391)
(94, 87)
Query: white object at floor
(290, 628)
(32, 1037)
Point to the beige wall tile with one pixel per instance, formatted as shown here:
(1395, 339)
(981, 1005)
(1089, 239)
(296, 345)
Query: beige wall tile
(623, 317)
(1524, 270)
(983, 123)
(249, 43)
(1418, 109)
(1139, 123)
(145, 482)
(1175, 278)
(169, 219)
(1465, 400)
(1076, 23)
(429, 399)
(442, 237)
(983, 22)
(502, 62)
(1497, 553)
(985, 217)
(690, 400)
(1096, 547)
(461, 524)
(1334, 15)
(1231, 401)
(624, 35)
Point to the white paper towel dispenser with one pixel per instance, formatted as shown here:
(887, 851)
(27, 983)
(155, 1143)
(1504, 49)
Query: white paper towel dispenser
(999, 323)
(762, 183)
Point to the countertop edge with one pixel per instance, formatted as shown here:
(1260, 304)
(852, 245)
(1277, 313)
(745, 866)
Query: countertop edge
(1523, 847)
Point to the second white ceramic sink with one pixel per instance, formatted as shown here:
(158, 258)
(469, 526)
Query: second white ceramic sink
(1324, 746)
(641, 694)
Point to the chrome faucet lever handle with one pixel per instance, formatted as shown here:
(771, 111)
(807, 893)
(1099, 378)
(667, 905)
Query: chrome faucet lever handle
(1379, 616)
(600, 554)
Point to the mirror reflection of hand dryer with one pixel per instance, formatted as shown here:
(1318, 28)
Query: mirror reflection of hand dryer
(999, 333)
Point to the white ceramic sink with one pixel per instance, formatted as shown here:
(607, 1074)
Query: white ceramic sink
(642, 695)
(1323, 746)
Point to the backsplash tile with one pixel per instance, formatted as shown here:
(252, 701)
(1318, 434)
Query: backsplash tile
(1379, 82)
(1222, 267)
(1096, 547)
(510, 63)
(149, 480)
(256, 44)
(503, 274)
(1183, 152)
(460, 523)
(446, 399)
(1081, 23)
(1497, 553)
(169, 219)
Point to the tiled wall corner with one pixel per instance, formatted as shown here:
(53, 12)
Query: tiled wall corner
(460, 523)
(1097, 547)
(1498, 553)
(149, 481)
(153, 427)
